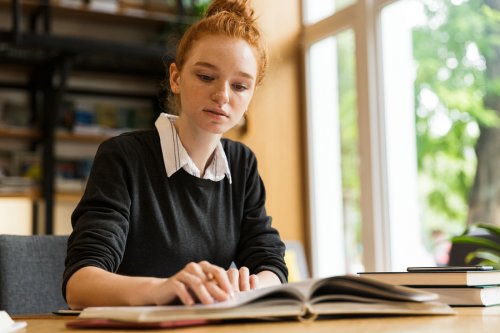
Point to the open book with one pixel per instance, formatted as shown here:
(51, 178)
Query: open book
(334, 296)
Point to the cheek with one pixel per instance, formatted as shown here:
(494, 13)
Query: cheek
(244, 99)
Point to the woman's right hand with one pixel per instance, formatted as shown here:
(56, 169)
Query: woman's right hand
(201, 282)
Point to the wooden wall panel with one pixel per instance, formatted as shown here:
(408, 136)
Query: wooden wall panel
(274, 119)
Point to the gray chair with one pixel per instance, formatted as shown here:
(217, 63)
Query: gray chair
(31, 269)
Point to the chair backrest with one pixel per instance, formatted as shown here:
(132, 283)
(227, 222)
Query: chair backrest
(31, 269)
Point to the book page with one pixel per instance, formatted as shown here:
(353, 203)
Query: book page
(282, 300)
(368, 288)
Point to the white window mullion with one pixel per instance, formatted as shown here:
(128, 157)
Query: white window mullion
(325, 174)
(374, 194)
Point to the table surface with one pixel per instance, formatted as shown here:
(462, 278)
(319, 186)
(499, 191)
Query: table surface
(471, 319)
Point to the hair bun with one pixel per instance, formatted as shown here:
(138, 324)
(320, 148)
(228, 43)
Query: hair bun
(239, 7)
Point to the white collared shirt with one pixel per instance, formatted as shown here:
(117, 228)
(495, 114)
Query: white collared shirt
(176, 157)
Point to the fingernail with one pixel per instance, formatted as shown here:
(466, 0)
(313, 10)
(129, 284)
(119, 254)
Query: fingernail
(231, 294)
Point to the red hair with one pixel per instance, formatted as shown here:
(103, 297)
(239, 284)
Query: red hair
(231, 18)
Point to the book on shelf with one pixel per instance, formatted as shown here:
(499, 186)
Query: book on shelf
(467, 296)
(8, 325)
(437, 278)
(337, 296)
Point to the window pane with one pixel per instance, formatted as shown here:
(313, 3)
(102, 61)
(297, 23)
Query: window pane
(441, 103)
(316, 10)
(333, 142)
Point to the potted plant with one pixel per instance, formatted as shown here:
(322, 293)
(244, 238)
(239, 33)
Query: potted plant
(488, 251)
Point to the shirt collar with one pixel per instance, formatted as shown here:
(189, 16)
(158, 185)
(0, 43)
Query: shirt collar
(175, 156)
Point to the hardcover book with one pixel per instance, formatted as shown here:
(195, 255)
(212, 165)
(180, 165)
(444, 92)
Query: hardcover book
(451, 278)
(467, 296)
(306, 300)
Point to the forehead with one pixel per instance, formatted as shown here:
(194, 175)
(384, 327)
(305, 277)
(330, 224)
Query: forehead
(226, 53)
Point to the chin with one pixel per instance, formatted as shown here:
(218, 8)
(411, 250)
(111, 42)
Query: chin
(217, 128)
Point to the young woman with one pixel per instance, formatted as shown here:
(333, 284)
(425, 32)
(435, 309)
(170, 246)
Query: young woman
(167, 211)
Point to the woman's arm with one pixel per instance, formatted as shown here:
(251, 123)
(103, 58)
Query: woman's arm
(92, 286)
(267, 279)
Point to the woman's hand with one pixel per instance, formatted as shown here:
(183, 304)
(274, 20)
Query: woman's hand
(241, 280)
(202, 282)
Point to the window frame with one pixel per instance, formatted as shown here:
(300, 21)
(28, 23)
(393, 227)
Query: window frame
(363, 17)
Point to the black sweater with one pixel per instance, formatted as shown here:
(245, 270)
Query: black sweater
(135, 221)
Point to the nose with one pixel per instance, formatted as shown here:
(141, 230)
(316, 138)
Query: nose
(220, 95)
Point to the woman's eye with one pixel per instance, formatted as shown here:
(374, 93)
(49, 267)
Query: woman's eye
(205, 78)
(240, 87)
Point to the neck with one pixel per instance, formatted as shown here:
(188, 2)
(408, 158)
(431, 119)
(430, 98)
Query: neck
(200, 145)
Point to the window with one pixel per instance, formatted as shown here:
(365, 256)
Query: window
(316, 10)
(333, 155)
(424, 97)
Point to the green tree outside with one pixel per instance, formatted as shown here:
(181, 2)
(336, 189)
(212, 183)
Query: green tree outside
(457, 86)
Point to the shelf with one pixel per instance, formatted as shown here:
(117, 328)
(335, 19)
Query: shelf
(50, 58)
(34, 49)
(86, 54)
(71, 137)
(30, 134)
(69, 196)
(155, 16)
(19, 133)
(32, 194)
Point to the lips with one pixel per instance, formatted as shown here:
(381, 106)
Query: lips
(217, 112)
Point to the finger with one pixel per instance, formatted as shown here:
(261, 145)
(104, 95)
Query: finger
(234, 277)
(195, 269)
(244, 276)
(219, 275)
(182, 292)
(201, 292)
(254, 282)
(196, 285)
(216, 292)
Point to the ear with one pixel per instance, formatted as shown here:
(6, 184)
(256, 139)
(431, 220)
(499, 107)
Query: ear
(174, 78)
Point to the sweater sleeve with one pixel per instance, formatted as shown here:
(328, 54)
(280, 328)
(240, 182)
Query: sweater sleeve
(260, 247)
(100, 221)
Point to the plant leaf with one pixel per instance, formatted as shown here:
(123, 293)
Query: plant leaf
(492, 229)
(476, 241)
(489, 255)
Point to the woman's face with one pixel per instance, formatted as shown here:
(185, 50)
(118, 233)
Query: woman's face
(216, 83)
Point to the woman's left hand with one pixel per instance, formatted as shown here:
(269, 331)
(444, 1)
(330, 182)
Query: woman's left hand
(241, 280)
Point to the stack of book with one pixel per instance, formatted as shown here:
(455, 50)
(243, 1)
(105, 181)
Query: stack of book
(454, 287)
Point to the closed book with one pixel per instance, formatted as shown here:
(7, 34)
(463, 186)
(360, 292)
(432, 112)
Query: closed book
(306, 300)
(467, 296)
(464, 278)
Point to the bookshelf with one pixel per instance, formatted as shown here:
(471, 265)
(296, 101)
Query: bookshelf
(19, 133)
(49, 56)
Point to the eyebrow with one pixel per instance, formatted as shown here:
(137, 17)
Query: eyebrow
(212, 66)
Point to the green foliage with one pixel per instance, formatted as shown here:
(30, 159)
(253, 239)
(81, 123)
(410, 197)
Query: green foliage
(451, 84)
(200, 7)
(488, 251)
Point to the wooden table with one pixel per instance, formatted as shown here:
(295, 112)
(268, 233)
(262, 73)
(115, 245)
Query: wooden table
(475, 320)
